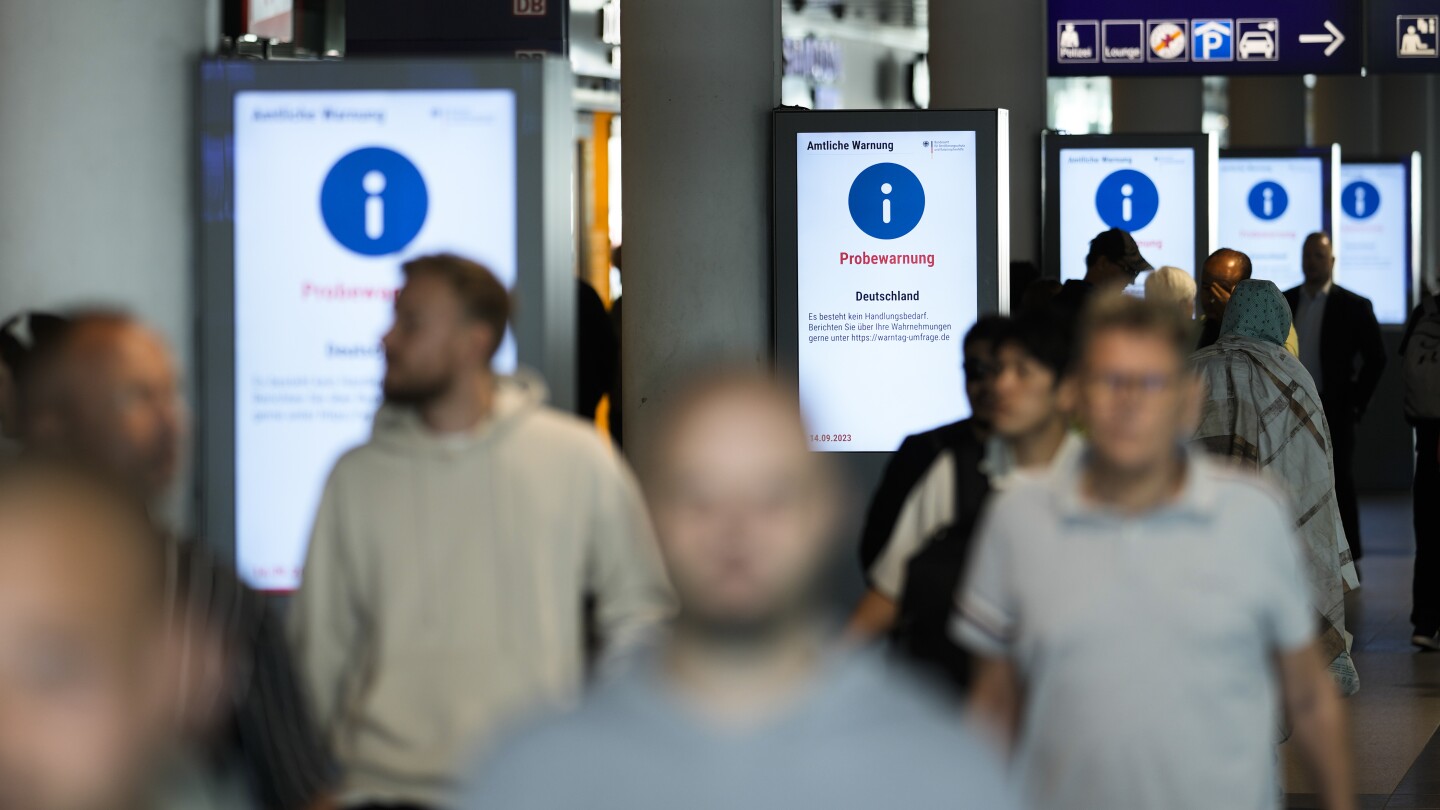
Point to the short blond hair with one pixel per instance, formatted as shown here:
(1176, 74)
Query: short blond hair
(1117, 312)
(1170, 285)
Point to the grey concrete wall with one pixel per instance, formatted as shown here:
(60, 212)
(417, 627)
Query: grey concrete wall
(985, 54)
(1157, 106)
(1266, 111)
(96, 156)
(700, 81)
(1346, 110)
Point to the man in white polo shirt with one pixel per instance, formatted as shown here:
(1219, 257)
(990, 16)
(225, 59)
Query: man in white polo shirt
(1141, 614)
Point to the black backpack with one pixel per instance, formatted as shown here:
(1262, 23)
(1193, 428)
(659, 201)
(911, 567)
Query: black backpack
(933, 576)
(1422, 363)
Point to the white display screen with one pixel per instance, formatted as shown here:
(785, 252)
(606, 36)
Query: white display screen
(1148, 192)
(1374, 247)
(333, 191)
(887, 283)
(1268, 205)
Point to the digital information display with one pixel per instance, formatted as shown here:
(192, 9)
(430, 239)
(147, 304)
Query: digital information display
(887, 275)
(1374, 249)
(1203, 37)
(333, 191)
(1268, 205)
(1148, 192)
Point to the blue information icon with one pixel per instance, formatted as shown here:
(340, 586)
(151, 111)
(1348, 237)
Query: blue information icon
(1268, 200)
(374, 201)
(1360, 200)
(1127, 200)
(887, 201)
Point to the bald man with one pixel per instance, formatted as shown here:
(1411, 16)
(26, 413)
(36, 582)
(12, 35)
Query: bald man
(104, 393)
(1341, 347)
(85, 675)
(1219, 276)
(748, 702)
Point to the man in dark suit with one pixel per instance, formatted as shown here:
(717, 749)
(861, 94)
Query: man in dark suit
(1341, 347)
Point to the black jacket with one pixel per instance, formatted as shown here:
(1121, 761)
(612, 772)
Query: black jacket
(907, 466)
(1350, 336)
(1210, 332)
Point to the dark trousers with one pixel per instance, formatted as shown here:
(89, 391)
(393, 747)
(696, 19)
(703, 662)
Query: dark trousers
(1425, 593)
(1341, 417)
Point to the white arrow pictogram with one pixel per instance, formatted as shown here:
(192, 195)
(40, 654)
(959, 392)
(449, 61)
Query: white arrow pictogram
(1335, 38)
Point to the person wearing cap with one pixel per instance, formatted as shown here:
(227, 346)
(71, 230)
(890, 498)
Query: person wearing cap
(1114, 260)
(1113, 263)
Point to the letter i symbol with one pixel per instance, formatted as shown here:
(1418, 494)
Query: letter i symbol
(1127, 205)
(374, 183)
(1360, 201)
(885, 205)
(1269, 195)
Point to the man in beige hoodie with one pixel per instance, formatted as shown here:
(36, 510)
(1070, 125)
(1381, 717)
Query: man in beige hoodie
(452, 555)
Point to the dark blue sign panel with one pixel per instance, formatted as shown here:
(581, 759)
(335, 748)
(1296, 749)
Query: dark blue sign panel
(1404, 36)
(519, 27)
(1204, 37)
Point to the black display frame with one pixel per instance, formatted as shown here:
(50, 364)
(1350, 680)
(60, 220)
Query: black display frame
(992, 142)
(1207, 153)
(1413, 224)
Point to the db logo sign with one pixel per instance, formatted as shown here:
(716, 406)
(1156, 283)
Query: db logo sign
(531, 8)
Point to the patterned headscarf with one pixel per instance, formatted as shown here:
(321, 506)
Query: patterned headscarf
(1258, 310)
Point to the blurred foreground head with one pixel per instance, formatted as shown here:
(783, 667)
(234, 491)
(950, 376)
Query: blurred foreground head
(1137, 397)
(744, 510)
(83, 666)
(104, 393)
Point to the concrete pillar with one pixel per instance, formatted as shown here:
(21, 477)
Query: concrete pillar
(1156, 106)
(700, 81)
(97, 156)
(1346, 110)
(979, 58)
(1266, 111)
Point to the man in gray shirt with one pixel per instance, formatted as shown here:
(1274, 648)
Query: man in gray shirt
(748, 703)
(1141, 615)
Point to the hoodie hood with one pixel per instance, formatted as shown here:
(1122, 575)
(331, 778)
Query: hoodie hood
(399, 428)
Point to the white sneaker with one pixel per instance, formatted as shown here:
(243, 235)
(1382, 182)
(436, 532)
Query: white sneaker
(1424, 642)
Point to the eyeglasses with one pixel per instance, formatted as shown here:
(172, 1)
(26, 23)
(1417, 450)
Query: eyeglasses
(1115, 384)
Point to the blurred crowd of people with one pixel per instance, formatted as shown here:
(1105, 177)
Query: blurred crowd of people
(1119, 583)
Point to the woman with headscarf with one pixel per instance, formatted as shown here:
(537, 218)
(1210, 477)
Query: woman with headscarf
(1262, 411)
